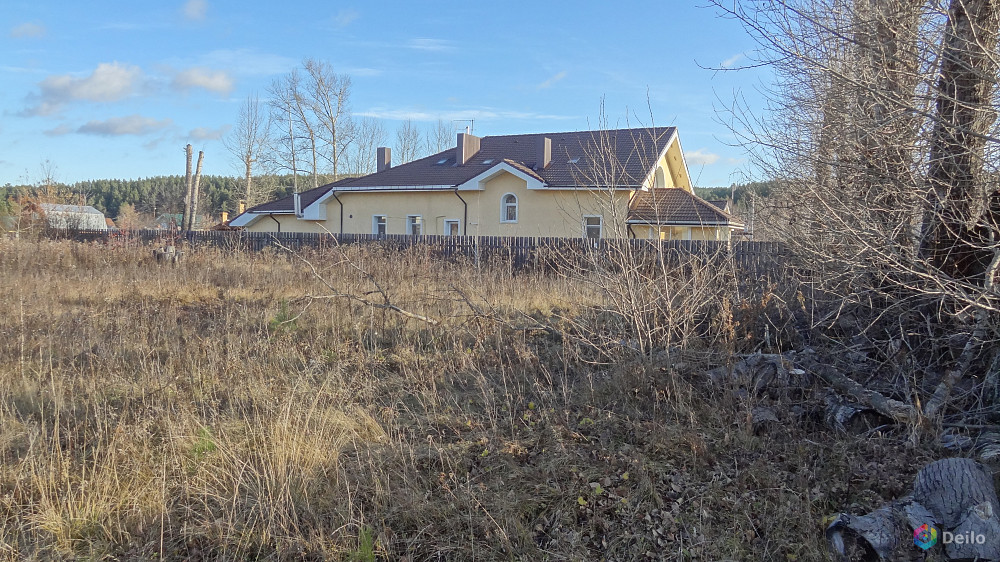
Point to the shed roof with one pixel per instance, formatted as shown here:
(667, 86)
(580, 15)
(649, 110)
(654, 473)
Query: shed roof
(60, 208)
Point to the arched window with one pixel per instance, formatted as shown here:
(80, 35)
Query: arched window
(660, 180)
(508, 208)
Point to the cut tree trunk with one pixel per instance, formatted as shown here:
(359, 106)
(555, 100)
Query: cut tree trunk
(950, 495)
(186, 218)
(195, 190)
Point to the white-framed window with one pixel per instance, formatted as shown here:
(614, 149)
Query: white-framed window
(452, 227)
(379, 225)
(508, 208)
(414, 225)
(592, 226)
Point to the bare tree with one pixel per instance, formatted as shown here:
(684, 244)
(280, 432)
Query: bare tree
(959, 243)
(439, 137)
(882, 129)
(48, 181)
(248, 141)
(304, 120)
(369, 134)
(312, 107)
(407, 142)
(283, 112)
(328, 98)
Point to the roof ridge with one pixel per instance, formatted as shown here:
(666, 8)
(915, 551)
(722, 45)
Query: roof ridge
(624, 129)
(713, 207)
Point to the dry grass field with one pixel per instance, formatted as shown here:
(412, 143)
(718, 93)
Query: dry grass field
(214, 411)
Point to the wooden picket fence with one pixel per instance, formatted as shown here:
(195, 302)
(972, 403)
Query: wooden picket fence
(519, 252)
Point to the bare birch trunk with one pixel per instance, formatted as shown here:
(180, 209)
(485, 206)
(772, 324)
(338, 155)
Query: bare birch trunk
(186, 218)
(291, 143)
(194, 191)
(249, 178)
(887, 34)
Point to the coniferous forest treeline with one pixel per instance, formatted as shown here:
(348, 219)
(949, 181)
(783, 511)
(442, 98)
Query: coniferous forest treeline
(153, 195)
(165, 194)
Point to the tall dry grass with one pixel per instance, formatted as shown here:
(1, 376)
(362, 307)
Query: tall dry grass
(213, 411)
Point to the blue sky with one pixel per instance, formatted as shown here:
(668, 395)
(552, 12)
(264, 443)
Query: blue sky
(115, 89)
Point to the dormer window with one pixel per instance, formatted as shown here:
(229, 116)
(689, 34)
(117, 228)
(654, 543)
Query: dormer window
(508, 208)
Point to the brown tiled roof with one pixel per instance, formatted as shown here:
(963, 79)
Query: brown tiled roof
(635, 150)
(673, 205)
(286, 205)
(523, 168)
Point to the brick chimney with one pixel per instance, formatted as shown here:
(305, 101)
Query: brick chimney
(468, 146)
(544, 153)
(383, 159)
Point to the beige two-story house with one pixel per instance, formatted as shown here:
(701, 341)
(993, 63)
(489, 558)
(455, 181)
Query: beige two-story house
(625, 183)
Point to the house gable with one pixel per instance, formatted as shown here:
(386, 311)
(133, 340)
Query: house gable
(670, 168)
(531, 181)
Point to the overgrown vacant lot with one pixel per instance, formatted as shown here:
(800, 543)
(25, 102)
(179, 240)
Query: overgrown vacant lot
(212, 411)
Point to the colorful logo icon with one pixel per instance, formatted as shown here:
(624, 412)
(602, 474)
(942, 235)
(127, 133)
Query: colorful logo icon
(925, 536)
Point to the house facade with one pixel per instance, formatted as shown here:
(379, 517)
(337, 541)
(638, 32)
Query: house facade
(597, 184)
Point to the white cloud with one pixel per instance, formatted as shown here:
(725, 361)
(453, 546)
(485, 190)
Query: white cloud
(433, 45)
(212, 80)
(155, 142)
(63, 129)
(27, 30)
(345, 17)
(204, 133)
(194, 10)
(130, 125)
(109, 82)
(551, 81)
(21, 70)
(733, 60)
(701, 158)
(362, 71)
(245, 62)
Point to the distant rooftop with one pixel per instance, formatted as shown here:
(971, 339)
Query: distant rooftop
(59, 208)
